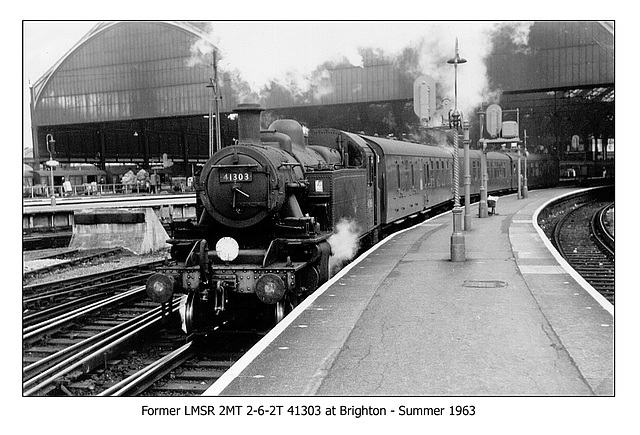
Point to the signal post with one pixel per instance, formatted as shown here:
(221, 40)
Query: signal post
(525, 187)
(483, 210)
(52, 165)
(501, 133)
(467, 177)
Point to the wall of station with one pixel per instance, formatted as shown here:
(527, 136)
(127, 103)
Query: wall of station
(131, 93)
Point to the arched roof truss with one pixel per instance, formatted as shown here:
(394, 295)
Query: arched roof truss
(127, 70)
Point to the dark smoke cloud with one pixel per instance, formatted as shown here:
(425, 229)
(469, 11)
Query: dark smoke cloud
(292, 60)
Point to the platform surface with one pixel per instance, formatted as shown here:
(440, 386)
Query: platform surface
(73, 203)
(405, 320)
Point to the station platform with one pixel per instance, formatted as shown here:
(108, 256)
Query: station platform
(403, 319)
(72, 203)
(41, 215)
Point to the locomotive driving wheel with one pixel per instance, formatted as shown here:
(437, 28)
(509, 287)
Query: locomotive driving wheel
(197, 257)
(285, 306)
(190, 313)
(280, 311)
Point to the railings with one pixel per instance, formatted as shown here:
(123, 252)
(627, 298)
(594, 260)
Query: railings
(44, 191)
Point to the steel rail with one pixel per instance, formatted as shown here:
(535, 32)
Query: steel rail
(575, 238)
(30, 333)
(42, 254)
(45, 314)
(91, 293)
(70, 262)
(600, 232)
(97, 349)
(143, 378)
(47, 362)
(557, 231)
(77, 281)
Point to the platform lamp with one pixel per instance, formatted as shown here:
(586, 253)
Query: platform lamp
(52, 164)
(455, 122)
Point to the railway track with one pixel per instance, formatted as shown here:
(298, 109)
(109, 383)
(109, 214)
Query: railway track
(49, 299)
(603, 229)
(68, 258)
(582, 240)
(187, 370)
(118, 362)
(61, 349)
(114, 342)
(95, 334)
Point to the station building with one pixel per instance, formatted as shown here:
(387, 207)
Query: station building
(141, 94)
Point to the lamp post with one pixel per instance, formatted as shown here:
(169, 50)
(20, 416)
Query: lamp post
(52, 164)
(455, 120)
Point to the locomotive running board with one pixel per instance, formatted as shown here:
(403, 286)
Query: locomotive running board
(270, 257)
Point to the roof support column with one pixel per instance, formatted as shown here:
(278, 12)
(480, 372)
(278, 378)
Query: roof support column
(184, 138)
(145, 145)
(103, 146)
(34, 135)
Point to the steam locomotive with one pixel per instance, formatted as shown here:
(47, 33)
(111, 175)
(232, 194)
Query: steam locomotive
(279, 207)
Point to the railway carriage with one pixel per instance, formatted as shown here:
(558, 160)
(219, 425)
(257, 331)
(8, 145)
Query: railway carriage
(414, 177)
(276, 210)
(542, 170)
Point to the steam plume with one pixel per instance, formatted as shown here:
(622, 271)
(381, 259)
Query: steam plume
(296, 55)
(344, 244)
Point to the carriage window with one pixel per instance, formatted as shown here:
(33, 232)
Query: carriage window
(413, 177)
(372, 169)
(356, 159)
(75, 180)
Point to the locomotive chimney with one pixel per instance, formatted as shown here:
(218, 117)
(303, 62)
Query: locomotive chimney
(249, 123)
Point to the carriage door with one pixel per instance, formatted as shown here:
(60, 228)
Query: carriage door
(372, 189)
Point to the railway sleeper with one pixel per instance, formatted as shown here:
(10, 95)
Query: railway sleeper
(210, 364)
(65, 342)
(183, 387)
(37, 355)
(199, 375)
